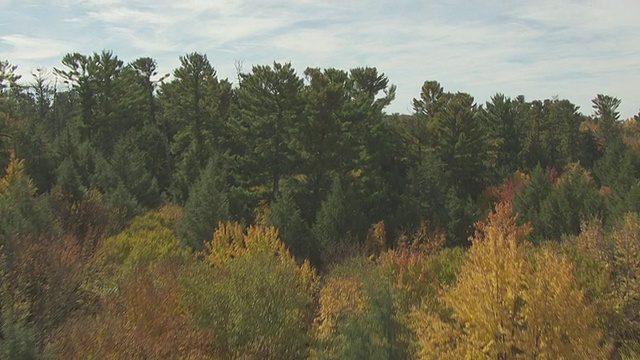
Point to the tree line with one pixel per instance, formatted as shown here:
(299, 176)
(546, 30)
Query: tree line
(290, 216)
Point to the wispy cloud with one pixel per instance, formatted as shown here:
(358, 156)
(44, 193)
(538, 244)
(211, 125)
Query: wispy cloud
(32, 48)
(574, 49)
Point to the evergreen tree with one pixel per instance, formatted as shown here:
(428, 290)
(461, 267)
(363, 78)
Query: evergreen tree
(9, 89)
(607, 115)
(617, 172)
(528, 202)
(285, 215)
(425, 198)
(195, 106)
(129, 164)
(206, 207)
(380, 165)
(499, 122)
(270, 105)
(461, 213)
(323, 138)
(338, 218)
(107, 100)
(573, 200)
(429, 103)
(460, 144)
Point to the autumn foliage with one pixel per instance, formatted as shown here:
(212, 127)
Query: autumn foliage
(511, 301)
(288, 216)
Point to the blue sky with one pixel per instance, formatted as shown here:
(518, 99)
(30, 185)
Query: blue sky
(538, 48)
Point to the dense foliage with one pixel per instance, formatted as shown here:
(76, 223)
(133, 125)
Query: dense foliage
(289, 216)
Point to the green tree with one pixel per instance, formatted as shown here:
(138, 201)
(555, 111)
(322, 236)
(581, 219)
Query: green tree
(617, 173)
(573, 200)
(286, 216)
(259, 304)
(345, 132)
(129, 164)
(429, 103)
(195, 106)
(270, 105)
(206, 207)
(499, 120)
(8, 89)
(43, 94)
(606, 113)
(144, 70)
(154, 135)
(322, 140)
(425, 197)
(21, 212)
(107, 100)
(334, 221)
(380, 166)
(553, 137)
(460, 144)
(528, 201)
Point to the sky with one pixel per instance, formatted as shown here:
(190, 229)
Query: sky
(537, 48)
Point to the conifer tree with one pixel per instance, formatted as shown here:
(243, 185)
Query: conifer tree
(331, 225)
(195, 106)
(270, 105)
(573, 200)
(528, 202)
(606, 113)
(285, 215)
(206, 207)
(500, 124)
(460, 144)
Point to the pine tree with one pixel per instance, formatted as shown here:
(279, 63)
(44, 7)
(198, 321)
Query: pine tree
(500, 123)
(270, 105)
(528, 202)
(573, 200)
(331, 225)
(206, 207)
(285, 215)
(460, 144)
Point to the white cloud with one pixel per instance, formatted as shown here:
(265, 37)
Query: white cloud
(32, 48)
(574, 48)
(124, 15)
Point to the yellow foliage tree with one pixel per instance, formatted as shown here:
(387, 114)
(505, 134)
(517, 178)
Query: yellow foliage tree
(507, 304)
(625, 292)
(149, 239)
(338, 297)
(558, 322)
(230, 242)
(15, 176)
(252, 294)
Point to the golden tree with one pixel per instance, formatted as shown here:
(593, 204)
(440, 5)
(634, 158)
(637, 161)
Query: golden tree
(625, 267)
(507, 304)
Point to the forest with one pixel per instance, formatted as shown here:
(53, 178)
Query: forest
(287, 215)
